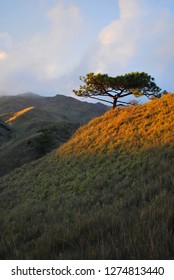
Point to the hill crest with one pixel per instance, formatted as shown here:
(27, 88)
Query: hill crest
(126, 129)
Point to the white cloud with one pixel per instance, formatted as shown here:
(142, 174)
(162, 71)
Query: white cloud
(140, 39)
(5, 41)
(65, 17)
(51, 51)
(47, 55)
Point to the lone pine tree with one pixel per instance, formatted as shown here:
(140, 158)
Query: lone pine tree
(136, 84)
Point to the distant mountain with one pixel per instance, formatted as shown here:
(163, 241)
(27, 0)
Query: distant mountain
(57, 108)
(107, 193)
(29, 94)
(27, 118)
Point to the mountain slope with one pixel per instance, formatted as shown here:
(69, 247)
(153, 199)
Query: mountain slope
(5, 132)
(28, 114)
(18, 114)
(108, 193)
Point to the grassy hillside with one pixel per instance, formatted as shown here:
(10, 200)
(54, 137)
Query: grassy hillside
(108, 193)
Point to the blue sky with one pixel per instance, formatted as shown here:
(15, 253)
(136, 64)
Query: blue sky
(45, 45)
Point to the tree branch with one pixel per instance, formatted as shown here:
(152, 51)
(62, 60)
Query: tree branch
(103, 88)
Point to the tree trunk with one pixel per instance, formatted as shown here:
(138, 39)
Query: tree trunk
(114, 104)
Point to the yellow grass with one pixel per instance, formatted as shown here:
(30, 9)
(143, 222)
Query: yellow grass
(128, 129)
(18, 114)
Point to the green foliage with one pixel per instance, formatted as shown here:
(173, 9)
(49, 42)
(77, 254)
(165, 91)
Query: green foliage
(45, 139)
(48, 129)
(135, 83)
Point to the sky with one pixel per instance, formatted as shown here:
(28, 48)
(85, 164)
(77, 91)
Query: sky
(45, 45)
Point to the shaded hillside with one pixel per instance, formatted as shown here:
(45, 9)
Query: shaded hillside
(36, 141)
(27, 114)
(108, 193)
(57, 108)
(5, 132)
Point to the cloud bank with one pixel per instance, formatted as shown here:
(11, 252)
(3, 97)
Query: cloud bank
(140, 39)
(33, 63)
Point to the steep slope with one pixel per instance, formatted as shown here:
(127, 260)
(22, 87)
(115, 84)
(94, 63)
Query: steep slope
(108, 193)
(126, 130)
(5, 132)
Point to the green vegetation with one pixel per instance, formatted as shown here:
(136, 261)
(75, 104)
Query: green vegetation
(105, 194)
(45, 139)
(135, 83)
